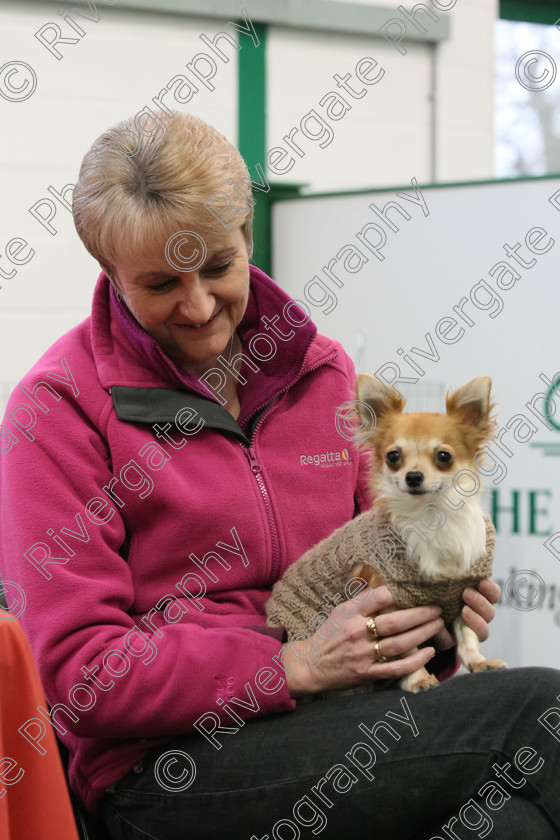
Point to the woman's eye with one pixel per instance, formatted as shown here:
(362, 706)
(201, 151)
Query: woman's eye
(443, 457)
(160, 287)
(216, 271)
(219, 269)
(393, 457)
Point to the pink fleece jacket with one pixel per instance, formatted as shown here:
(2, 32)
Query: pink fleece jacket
(147, 527)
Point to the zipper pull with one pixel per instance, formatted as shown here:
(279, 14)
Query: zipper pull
(253, 461)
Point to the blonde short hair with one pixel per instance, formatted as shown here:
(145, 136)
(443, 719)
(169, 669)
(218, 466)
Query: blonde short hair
(138, 187)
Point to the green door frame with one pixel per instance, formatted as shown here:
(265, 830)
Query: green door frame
(251, 142)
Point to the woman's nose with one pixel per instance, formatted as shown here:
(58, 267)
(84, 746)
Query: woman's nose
(195, 306)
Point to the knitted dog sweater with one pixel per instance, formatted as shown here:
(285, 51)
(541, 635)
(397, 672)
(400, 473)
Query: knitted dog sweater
(326, 568)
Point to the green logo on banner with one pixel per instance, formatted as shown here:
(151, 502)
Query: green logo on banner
(550, 447)
(548, 408)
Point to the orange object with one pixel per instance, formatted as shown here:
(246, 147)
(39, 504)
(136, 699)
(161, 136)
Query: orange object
(34, 799)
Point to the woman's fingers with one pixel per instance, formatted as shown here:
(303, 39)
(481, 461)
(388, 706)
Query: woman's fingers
(369, 601)
(400, 667)
(478, 611)
(479, 604)
(400, 621)
(443, 640)
(489, 589)
(396, 645)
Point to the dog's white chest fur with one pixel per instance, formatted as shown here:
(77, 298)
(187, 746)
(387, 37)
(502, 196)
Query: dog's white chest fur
(450, 546)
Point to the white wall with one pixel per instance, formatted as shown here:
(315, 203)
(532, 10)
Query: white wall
(387, 136)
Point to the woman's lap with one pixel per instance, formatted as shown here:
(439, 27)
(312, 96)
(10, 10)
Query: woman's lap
(519, 819)
(389, 762)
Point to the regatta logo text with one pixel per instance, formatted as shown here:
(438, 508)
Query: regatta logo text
(326, 459)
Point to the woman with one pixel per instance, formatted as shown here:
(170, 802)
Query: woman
(165, 491)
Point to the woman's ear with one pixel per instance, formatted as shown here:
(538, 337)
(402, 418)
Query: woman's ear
(107, 271)
(111, 275)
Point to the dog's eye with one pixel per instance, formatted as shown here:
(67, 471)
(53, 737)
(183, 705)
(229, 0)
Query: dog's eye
(443, 457)
(393, 457)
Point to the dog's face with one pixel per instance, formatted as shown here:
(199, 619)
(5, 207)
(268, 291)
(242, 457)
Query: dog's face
(417, 453)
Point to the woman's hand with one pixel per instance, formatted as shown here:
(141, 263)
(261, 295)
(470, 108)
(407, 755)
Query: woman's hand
(477, 613)
(341, 653)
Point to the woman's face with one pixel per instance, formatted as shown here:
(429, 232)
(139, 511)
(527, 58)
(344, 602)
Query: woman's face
(192, 314)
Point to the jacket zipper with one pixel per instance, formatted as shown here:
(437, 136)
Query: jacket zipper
(256, 469)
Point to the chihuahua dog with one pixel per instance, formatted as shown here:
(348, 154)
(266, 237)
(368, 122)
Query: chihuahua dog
(419, 461)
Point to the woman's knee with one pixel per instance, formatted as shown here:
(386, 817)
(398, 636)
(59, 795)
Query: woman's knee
(525, 686)
(535, 685)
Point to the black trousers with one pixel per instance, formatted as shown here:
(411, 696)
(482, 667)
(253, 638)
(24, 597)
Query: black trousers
(477, 756)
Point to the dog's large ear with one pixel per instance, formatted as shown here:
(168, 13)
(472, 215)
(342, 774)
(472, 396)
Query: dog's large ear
(471, 403)
(377, 396)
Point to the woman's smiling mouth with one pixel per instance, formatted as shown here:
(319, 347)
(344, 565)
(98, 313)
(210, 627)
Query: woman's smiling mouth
(199, 327)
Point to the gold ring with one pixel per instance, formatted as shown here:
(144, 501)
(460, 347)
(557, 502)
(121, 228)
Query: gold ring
(379, 655)
(370, 624)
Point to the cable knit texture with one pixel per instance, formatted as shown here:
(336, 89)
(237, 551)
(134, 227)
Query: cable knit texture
(326, 568)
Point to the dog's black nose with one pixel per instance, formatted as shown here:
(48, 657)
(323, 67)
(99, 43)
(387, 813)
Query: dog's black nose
(414, 478)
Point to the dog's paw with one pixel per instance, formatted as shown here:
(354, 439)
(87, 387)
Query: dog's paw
(487, 665)
(419, 681)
